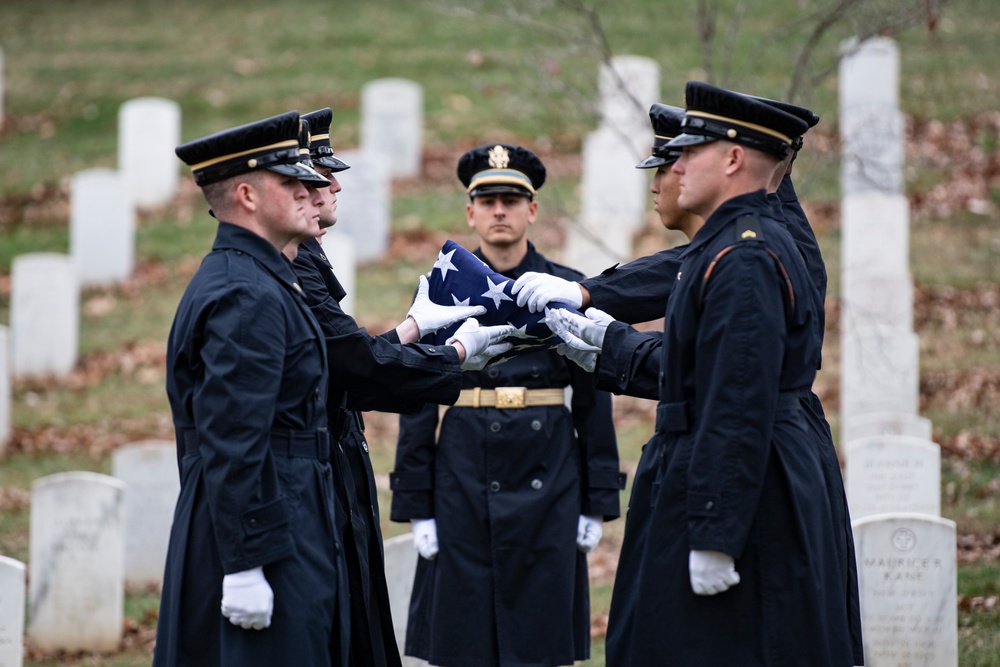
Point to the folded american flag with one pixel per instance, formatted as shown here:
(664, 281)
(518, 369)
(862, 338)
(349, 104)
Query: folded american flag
(459, 278)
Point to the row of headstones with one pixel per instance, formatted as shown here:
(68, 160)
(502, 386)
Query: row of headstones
(91, 535)
(906, 553)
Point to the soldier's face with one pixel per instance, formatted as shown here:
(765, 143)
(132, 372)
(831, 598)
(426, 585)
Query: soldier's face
(666, 189)
(700, 169)
(328, 214)
(502, 219)
(283, 204)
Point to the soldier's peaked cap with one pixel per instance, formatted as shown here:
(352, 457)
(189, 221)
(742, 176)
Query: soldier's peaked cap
(272, 144)
(666, 121)
(313, 180)
(501, 169)
(320, 148)
(714, 113)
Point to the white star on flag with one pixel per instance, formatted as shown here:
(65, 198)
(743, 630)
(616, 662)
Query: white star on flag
(444, 263)
(460, 302)
(495, 292)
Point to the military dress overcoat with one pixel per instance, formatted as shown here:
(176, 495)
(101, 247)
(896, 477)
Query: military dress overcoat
(734, 465)
(637, 292)
(246, 379)
(371, 372)
(506, 487)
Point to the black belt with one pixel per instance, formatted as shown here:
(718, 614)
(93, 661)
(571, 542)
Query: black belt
(313, 444)
(678, 417)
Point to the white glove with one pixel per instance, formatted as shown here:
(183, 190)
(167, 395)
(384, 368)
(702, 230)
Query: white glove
(588, 533)
(425, 537)
(587, 333)
(481, 343)
(712, 572)
(537, 289)
(247, 599)
(431, 316)
(585, 359)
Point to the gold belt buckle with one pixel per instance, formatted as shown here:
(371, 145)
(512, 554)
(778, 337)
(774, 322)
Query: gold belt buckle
(511, 397)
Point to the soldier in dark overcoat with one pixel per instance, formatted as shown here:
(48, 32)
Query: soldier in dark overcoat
(505, 501)
(637, 292)
(369, 372)
(254, 572)
(729, 557)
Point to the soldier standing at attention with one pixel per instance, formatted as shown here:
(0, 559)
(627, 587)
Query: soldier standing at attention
(510, 496)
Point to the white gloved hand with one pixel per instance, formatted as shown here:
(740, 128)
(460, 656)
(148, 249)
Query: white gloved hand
(584, 358)
(588, 532)
(431, 316)
(537, 289)
(586, 333)
(712, 572)
(425, 537)
(481, 343)
(247, 599)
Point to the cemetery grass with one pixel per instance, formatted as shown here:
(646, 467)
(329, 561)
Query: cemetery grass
(70, 65)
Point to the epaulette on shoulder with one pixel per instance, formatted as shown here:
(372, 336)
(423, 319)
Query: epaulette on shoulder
(748, 228)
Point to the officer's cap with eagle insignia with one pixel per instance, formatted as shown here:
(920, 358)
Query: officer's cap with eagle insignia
(501, 169)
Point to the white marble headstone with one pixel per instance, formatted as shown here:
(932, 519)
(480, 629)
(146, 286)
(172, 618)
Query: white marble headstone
(5, 400)
(627, 86)
(149, 128)
(870, 299)
(879, 371)
(893, 473)
(339, 249)
(77, 551)
(871, 125)
(149, 470)
(101, 227)
(886, 423)
(613, 193)
(11, 612)
(392, 123)
(364, 204)
(44, 314)
(875, 227)
(400, 566)
(907, 581)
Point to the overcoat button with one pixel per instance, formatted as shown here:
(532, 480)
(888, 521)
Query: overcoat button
(364, 445)
(495, 427)
(494, 486)
(536, 484)
(536, 425)
(493, 372)
(253, 523)
(709, 505)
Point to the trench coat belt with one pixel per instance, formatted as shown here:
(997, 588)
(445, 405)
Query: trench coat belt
(678, 417)
(314, 444)
(509, 397)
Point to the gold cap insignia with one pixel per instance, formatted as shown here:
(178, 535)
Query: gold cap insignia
(748, 234)
(731, 133)
(252, 162)
(499, 157)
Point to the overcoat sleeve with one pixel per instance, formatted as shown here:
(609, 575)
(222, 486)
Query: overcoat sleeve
(637, 291)
(802, 233)
(412, 482)
(629, 362)
(377, 372)
(242, 350)
(740, 346)
(598, 446)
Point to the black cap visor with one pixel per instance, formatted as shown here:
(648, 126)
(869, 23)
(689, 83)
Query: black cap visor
(300, 171)
(499, 189)
(330, 162)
